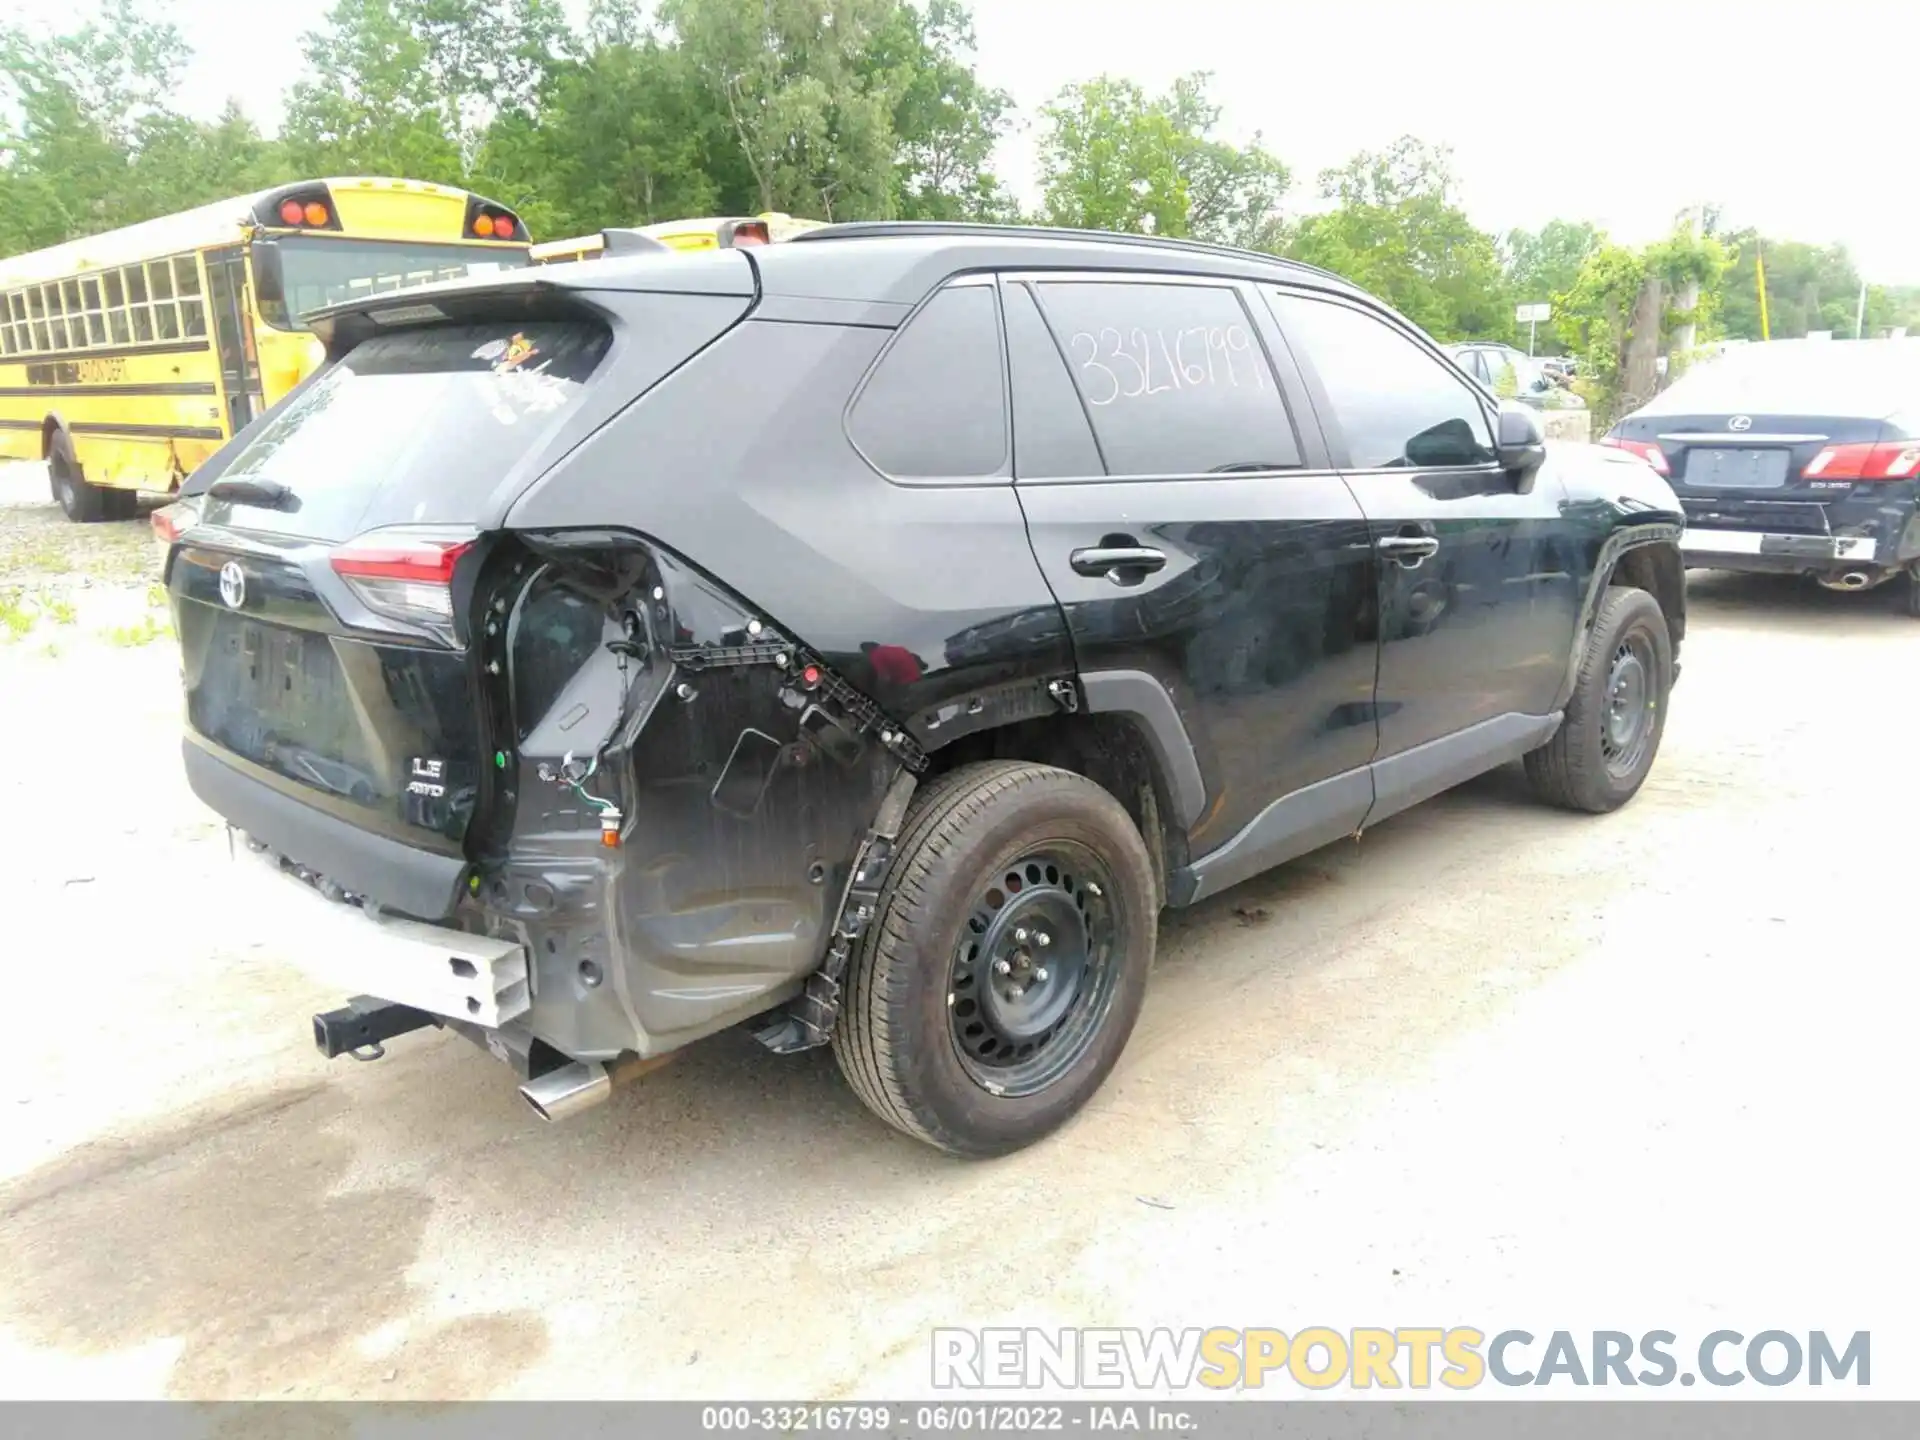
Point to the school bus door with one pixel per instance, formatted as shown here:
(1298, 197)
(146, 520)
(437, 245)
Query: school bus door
(233, 335)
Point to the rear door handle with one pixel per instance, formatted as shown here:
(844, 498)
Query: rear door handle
(1409, 550)
(1113, 561)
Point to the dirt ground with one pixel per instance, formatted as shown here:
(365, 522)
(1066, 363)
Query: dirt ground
(1494, 1065)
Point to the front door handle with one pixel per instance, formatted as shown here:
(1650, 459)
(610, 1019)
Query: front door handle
(1116, 561)
(1409, 550)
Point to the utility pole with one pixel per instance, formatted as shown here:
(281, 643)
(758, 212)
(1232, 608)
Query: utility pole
(1860, 311)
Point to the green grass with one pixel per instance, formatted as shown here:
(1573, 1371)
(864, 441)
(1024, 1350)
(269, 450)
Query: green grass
(144, 633)
(157, 595)
(61, 612)
(17, 614)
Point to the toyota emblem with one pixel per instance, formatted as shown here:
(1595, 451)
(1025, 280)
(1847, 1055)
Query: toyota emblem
(1740, 422)
(233, 585)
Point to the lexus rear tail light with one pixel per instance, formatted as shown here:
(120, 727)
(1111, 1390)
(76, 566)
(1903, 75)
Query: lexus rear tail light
(403, 576)
(1887, 460)
(1645, 449)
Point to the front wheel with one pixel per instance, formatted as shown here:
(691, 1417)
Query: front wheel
(1601, 754)
(1006, 965)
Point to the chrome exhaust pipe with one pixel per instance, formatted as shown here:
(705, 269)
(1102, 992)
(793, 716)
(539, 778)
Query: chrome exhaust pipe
(581, 1085)
(1851, 580)
(569, 1091)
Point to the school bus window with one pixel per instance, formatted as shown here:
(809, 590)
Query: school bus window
(90, 302)
(56, 317)
(193, 317)
(116, 292)
(117, 326)
(186, 274)
(136, 284)
(160, 277)
(142, 316)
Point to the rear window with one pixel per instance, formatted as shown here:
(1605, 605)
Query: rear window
(417, 427)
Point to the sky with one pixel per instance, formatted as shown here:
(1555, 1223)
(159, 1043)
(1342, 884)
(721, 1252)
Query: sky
(1797, 119)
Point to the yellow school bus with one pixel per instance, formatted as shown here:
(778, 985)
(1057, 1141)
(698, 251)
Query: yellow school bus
(129, 357)
(712, 232)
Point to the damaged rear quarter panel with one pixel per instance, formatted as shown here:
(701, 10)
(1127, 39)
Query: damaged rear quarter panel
(740, 823)
(737, 820)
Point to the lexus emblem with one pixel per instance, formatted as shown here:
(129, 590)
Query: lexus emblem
(233, 585)
(1740, 422)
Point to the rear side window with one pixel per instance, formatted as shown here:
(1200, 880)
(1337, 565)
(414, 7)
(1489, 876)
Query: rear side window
(417, 427)
(1173, 377)
(935, 408)
(1398, 406)
(1050, 435)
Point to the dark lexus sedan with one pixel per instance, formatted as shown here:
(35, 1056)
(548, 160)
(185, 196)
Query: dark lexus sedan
(1795, 457)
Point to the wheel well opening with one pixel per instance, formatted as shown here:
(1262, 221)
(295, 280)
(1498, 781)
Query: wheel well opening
(49, 428)
(1110, 750)
(1658, 570)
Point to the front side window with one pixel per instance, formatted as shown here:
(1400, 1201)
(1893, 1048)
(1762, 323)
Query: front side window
(935, 406)
(1398, 406)
(1173, 377)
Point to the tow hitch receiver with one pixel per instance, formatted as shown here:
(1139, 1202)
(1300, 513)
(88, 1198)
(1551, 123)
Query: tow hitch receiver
(362, 1024)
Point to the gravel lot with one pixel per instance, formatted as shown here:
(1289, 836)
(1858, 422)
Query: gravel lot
(1494, 1066)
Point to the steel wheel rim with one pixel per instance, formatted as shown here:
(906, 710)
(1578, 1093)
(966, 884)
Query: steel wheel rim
(1627, 728)
(1023, 1011)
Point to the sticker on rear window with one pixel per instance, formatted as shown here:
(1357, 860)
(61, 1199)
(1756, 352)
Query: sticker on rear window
(506, 355)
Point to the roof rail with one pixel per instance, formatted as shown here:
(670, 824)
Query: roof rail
(883, 229)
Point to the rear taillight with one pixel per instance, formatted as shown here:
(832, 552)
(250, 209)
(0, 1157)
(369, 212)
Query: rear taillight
(1888, 460)
(404, 577)
(1645, 449)
(170, 522)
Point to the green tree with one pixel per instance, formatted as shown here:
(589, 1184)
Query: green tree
(624, 136)
(183, 163)
(813, 120)
(1233, 192)
(483, 57)
(1395, 230)
(1542, 266)
(945, 122)
(1114, 158)
(82, 101)
(369, 102)
(1809, 287)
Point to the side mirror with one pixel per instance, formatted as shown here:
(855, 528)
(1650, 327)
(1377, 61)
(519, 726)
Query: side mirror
(1520, 442)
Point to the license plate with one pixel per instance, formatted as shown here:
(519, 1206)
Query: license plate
(1737, 469)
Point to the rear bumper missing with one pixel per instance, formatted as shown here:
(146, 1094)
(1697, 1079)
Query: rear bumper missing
(478, 979)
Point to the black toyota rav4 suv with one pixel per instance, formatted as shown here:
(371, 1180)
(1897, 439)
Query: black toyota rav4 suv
(862, 639)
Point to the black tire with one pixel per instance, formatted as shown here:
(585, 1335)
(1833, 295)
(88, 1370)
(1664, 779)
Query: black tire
(117, 504)
(1913, 594)
(1588, 765)
(904, 1041)
(84, 504)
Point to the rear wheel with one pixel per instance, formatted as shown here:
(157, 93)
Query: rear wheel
(82, 502)
(1603, 750)
(1913, 594)
(1006, 965)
